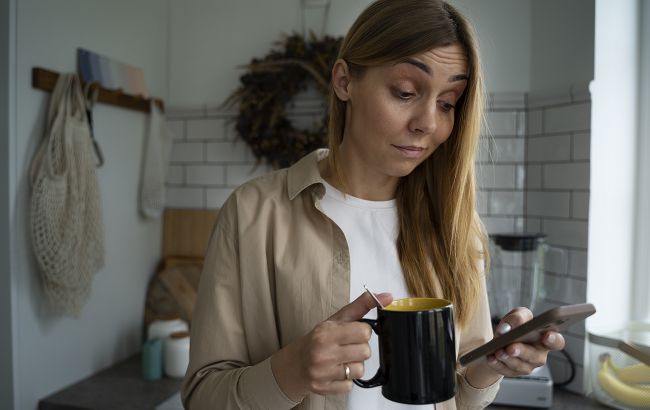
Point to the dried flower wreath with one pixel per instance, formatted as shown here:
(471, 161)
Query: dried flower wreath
(268, 87)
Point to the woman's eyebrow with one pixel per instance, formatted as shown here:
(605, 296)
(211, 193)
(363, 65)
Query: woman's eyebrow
(427, 69)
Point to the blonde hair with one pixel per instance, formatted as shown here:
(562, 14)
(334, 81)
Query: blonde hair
(440, 234)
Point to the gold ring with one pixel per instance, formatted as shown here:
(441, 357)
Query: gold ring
(347, 372)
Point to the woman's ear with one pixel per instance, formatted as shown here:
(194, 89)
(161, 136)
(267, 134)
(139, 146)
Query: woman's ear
(341, 79)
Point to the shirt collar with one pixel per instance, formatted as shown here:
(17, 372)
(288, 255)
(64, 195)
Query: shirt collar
(305, 173)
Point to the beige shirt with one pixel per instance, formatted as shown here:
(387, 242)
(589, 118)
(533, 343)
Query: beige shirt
(275, 267)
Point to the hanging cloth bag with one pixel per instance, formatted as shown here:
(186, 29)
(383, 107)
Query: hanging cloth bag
(65, 208)
(154, 164)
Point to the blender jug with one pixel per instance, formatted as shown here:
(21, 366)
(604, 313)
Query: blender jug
(516, 268)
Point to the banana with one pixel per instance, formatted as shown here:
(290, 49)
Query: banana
(636, 374)
(619, 391)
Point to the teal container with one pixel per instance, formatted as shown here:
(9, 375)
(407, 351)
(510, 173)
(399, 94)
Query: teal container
(152, 357)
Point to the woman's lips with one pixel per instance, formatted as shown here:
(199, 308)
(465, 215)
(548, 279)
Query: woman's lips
(410, 151)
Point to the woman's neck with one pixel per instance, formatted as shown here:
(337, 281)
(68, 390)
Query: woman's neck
(360, 181)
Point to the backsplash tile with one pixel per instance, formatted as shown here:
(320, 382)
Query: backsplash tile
(569, 117)
(548, 149)
(496, 176)
(187, 152)
(501, 123)
(563, 289)
(535, 123)
(482, 198)
(176, 175)
(499, 224)
(227, 151)
(210, 161)
(581, 146)
(548, 203)
(566, 232)
(552, 173)
(501, 149)
(184, 197)
(533, 176)
(205, 175)
(578, 263)
(506, 202)
(580, 205)
(177, 127)
(557, 260)
(573, 175)
(205, 129)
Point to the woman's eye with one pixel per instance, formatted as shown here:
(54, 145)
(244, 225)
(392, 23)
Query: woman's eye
(404, 95)
(446, 107)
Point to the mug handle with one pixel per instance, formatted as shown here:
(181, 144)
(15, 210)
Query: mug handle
(378, 379)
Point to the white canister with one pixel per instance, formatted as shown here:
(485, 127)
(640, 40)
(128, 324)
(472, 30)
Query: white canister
(162, 328)
(177, 354)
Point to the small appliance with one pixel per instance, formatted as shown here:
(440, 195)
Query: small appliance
(516, 279)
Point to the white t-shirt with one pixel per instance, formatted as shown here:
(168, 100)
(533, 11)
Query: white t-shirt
(371, 229)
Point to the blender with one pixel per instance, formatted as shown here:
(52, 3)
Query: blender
(515, 279)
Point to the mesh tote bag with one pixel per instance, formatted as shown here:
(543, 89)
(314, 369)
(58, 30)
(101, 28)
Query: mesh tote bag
(65, 208)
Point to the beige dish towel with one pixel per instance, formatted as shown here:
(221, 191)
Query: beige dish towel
(65, 206)
(155, 164)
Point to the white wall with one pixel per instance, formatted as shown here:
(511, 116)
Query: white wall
(562, 45)
(56, 351)
(7, 124)
(210, 39)
(504, 34)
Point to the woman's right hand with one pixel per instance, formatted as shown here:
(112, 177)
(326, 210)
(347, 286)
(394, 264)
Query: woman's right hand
(315, 363)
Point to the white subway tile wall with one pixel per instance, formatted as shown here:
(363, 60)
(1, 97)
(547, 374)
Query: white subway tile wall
(559, 150)
(207, 160)
(532, 175)
(206, 129)
(548, 137)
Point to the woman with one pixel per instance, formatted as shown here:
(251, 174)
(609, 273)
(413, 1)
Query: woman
(390, 204)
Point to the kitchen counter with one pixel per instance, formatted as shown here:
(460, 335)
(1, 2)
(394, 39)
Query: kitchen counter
(563, 400)
(122, 387)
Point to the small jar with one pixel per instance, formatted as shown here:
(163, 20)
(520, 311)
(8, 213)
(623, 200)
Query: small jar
(152, 359)
(163, 327)
(177, 354)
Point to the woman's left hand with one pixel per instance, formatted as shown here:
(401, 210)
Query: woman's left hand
(518, 359)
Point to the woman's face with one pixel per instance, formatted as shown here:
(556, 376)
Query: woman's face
(397, 115)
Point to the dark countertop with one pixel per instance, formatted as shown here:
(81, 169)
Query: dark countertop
(563, 400)
(122, 387)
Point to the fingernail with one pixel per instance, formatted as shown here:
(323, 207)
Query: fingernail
(503, 355)
(503, 328)
(550, 339)
(516, 352)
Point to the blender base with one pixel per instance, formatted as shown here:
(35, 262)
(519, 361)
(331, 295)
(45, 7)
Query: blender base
(534, 390)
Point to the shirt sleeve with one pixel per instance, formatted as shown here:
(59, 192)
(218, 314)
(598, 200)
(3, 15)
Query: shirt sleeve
(220, 374)
(477, 332)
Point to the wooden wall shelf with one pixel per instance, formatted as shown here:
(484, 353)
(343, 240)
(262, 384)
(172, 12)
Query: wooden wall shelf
(44, 79)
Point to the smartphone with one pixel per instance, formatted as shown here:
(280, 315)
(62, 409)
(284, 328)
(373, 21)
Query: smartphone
(556, 319)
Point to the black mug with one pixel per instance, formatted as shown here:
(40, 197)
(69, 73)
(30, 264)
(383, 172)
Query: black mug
(417, 351)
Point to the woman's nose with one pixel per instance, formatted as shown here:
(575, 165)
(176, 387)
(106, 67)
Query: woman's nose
(425, 121)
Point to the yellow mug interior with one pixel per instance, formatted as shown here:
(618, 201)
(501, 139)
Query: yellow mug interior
(417, 304)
